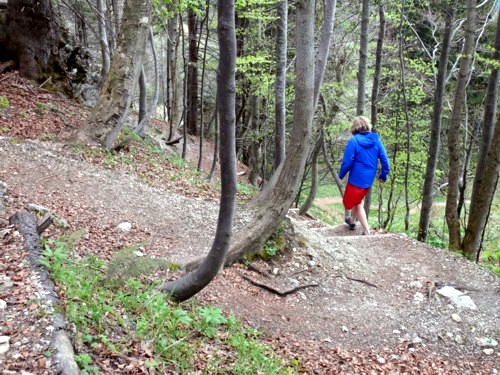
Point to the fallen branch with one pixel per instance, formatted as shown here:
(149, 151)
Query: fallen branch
(257, 269)
(361, 281)
(274, 290)
(25, 223)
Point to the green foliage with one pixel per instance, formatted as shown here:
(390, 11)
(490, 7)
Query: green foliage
(275, 244)
(131, 314)
(4, 102)
(130, 262)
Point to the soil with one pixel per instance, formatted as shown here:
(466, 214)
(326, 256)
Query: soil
(349, 303)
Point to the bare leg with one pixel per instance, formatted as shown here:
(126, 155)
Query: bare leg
(360, 214)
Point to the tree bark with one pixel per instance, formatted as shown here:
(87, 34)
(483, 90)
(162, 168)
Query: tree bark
(487, 168)
(314, 177)
(103, 38)
(108, 116)
(146, 116)
(376, 87)
(192, 74)
(435, 140)
(452, 218)
(363, 57)
(195, 281)
(280, 85)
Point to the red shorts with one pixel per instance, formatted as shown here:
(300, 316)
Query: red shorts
(353, 195)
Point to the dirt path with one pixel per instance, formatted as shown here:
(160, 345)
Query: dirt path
(370, 295)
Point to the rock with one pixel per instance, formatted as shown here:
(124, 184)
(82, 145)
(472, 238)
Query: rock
(3, 304)
(345, 329)
(458, 298)
(381, 360)
(488, 351)
(418, 298)
(139, 253)
(459, 340)
(5, 283)
(125, 227)
(456, 318)
(487, 342)
(4, 344)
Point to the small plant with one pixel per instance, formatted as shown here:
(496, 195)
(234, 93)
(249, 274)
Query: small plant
(211, 318)
(4, 102)
(83, 361)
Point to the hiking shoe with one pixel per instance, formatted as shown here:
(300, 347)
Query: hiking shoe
(352, 226)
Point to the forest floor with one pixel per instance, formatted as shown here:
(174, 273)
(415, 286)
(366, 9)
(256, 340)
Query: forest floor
(362, 304)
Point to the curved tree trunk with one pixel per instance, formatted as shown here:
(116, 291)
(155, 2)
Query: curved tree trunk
(488, 163)
(195, 281)
(319, 70)
(252, 236)
(108, 116)
(452, 218)
(434, 142)
(280, 85)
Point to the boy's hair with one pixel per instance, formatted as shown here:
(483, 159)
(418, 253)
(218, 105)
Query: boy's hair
(360, 124)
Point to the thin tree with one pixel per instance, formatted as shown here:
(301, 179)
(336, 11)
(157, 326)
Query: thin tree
(434, 141)
(363, 58)
(451, 213)
(376, 87)
(108, 116)
(486, 177)
(103, 38)
(195, 281)
(145, 114)
(192, 73)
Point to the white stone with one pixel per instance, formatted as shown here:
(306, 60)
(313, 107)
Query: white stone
(3, 304)
(4, 344)
(418, 298)
(380, 360)
(456, 318)
(139, 253)
(458, 298)
(126, 227)
(345, 329)
(488, 351)
(487, 342)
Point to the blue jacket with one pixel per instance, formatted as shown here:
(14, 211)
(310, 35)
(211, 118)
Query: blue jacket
(361, 156)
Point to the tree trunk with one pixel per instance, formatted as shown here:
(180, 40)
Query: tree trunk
(280, 85)
(488, 162)
(173, 79)
(192, 74)
(206, 22)
(108, 116)
(272, 212)
(452, 218)
(33, 39)
(103, 38)
(314, 177)
(255, 148)
(434, 142)
(319, 69)
(407, 120)
(195, 281)
(363, 57)
(376, 88)
(146, 116)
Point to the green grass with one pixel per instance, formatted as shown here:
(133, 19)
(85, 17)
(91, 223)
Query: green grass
(126, 317)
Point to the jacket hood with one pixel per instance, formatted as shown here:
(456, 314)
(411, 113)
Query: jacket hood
(367, 139)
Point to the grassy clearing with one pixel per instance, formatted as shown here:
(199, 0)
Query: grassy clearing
(124, 318)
